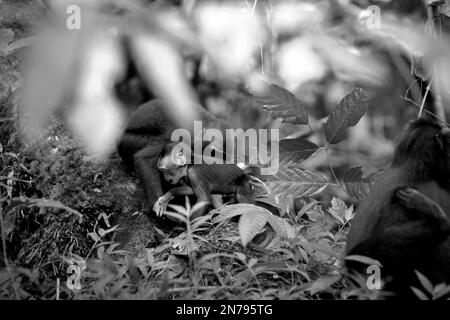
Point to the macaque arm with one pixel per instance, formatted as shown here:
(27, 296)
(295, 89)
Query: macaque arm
(217, 200)
(430, 229)
(181, 191)
(201, 190)
(146, 166)
(428, 209)
(160, 205)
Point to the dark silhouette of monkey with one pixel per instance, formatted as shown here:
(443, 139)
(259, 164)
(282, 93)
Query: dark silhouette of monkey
(149, 130)
(204, 180)
(404, 222)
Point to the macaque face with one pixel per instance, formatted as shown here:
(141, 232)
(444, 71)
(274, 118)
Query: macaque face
(173, 176)
(173, 166)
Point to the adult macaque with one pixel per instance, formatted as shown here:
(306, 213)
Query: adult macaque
(149, 130)
(203, 180)
(404, 222)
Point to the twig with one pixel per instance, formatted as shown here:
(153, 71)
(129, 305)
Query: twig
(425, 110)
(435, 19)
(195, 288)
(252, 8)
(331, 166)
(405, 74)
(261, 49)
(325, 147)
(310, 129)
(424, 99)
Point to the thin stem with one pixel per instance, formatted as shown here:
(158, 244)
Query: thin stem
(325, 147)
(331, 165)
(173, 290)
(424, 99)
(435, 20)
(261, 50)
(425, 110)
(252, 8)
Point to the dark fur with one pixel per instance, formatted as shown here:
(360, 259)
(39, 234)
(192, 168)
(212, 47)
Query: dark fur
(403, 229)
(424, 150)
(224, 179)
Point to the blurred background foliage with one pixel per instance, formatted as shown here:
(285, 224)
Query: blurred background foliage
(215, 54)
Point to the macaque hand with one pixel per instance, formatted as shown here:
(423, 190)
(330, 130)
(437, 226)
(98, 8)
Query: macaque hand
(160, 205)
(415, 200)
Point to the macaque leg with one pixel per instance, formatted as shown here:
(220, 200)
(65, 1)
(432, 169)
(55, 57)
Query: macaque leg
(203, 194)
(161, 204)
(430, 228)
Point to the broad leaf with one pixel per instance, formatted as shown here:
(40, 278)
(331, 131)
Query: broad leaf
(425, 282)
(296, 182)
(363, 259)
(323, 283)
(281, 103)
(346, 114)
(283, 229)
(356, 185)
(270, 201)
(419, 294)
(296, 150)
(251, 224)
(340, 211)
(279, 225)
(230, 211)
(441, 290)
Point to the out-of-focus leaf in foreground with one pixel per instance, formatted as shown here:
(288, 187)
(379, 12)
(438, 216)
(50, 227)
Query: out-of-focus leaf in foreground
(162, 68)
(48, 74)
(230, 35)
(78, 70)
(281, 103)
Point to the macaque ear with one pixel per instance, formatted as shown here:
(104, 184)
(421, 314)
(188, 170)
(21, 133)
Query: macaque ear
(179, 159)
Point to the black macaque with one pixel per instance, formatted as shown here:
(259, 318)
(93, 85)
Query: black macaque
(404, 222)
(147, 133)
(204, 180)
